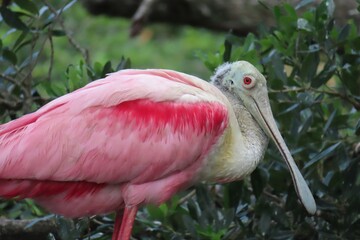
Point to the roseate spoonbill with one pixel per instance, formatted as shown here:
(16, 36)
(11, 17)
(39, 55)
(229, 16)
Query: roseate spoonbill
(138, 137)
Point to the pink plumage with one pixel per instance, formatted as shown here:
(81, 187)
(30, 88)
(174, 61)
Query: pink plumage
(134, 137)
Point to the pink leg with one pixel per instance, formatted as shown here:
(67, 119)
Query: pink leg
(117, 226)
(125, 225)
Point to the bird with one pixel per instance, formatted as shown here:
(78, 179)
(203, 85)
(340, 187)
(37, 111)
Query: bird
(139, 136)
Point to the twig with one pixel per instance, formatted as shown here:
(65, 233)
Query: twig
(84, 52)
(186, 197)
(10, 104)
(345, 97)
(51, 57)
(13, 80)
(342, 96)
(287, 90)
(140, 16)
(278, 201)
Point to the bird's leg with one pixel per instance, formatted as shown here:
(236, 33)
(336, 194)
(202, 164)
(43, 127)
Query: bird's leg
(117, 226)
(123, 227)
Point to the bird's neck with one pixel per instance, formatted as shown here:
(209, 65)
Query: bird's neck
(243, 144)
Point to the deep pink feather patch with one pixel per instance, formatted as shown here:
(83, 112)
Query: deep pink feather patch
(36, 188)
(201, 116)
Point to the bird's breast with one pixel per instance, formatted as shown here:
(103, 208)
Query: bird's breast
(237, 152)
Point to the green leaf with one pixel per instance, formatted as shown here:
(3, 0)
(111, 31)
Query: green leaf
(44, 90)
(106, 69)
(30, 59)
(10, 56)
(309, 66)
(20, 41)
(357, 128)
(304, 126)
(349, 74)
(329, 121)
(303, 24)
(58, 32)
(303, 3)
(290, 109)
(67, 6)
(323, 154)
(227, 51)
(124, 63)
(27, 5)
(249, 43)
(290, 10)
(233, 193)
(12, 19)
(155, 213)
(344, 33)
(264, 223)
(325, 75)
(257, 182)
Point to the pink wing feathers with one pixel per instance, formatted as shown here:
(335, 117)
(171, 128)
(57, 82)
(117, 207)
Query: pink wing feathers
(133, 135)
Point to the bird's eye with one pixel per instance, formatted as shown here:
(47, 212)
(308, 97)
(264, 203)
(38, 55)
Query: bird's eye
(231, 82)
(248, 82)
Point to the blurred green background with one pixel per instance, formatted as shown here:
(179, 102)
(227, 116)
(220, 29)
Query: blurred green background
(158, 46)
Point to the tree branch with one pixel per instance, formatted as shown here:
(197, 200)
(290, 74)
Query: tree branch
(239, 16)
(17, 229)
(141, 16)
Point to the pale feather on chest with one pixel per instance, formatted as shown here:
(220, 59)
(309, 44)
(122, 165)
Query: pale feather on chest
(240, 148)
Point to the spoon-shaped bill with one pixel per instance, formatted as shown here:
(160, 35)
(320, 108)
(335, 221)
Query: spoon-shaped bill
(262, 113)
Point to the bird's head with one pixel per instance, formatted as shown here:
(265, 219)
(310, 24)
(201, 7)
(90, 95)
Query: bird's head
(245, 82)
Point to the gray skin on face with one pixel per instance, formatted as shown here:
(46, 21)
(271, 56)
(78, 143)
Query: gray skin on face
(244, 85)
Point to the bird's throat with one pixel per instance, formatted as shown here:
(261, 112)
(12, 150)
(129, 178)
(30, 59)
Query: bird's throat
(242, 147)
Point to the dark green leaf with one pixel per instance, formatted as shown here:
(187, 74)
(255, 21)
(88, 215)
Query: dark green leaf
(329, 121)
(67, 6)
(10, 56)
(58, 32)
(124, 63)
(357, 128)
(309, 66)
(20, 40)
(257, 182)
(107, 69)
(264, 223)
(330, 7)
(29, 60)
(290, 109)
(323, 154)
(155, 213)
(344, 33)
(303, 3)
(233, 193)
(27, 5)
(304, 126)
(325, 75)
(227, 51)
(12, 19)
(303, 24)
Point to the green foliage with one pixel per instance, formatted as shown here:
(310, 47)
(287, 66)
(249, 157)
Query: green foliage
(313, 71)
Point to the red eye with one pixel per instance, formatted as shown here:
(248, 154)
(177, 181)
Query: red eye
(247, 80)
